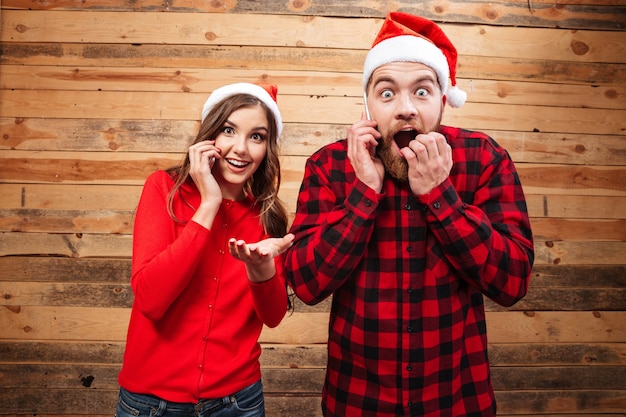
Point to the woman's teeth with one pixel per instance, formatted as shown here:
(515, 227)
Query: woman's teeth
(239, 164)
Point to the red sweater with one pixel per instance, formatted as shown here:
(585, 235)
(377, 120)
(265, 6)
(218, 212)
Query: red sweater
(196, 317)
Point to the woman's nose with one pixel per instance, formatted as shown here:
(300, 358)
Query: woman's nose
(240, 144)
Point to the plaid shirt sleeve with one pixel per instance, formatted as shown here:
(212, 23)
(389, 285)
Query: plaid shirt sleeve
(331, 228)
(479, 217)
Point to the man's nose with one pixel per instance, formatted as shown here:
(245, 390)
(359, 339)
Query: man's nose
(406, 108)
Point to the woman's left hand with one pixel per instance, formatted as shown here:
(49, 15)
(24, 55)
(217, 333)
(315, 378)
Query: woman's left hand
(259, 257)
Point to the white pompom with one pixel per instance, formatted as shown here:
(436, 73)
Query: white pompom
(456, 97)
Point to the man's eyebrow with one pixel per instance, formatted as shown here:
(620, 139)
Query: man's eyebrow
(423, 78)
(383, 79)
(431, 78)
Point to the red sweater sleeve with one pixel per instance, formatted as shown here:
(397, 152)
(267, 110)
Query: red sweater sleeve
(163, 263)
(270, 297)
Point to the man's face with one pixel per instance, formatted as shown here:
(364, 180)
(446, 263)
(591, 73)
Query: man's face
(405, 99)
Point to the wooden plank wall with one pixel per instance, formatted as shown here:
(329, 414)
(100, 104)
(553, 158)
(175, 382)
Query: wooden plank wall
(95, 95)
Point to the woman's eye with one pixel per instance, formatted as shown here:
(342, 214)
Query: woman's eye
(258, 137)
(228, 130)
(386, 94)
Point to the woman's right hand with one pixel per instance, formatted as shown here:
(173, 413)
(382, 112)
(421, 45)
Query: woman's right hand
(202, 157)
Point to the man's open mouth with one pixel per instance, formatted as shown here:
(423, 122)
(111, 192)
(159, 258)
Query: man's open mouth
(403, 137)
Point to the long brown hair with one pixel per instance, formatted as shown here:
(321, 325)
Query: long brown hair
(264, 184)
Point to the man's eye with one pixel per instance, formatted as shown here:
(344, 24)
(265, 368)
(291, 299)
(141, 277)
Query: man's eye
(422, 92)
(386, 94)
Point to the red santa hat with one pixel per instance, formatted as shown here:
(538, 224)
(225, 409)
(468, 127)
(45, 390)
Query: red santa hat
(408, 38)
(264, 92)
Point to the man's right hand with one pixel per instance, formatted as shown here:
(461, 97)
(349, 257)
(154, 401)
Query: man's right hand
(362, 141)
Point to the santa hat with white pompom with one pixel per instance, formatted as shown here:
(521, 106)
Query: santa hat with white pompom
(264, 92)
(408, 38)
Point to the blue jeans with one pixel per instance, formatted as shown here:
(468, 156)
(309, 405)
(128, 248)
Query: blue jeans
(246, 403)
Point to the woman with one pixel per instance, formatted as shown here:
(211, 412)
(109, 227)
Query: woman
(202, 294)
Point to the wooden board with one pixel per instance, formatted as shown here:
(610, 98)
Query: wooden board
(94, 96)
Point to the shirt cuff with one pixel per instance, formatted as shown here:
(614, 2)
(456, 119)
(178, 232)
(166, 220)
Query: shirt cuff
(363, 200)
(442, 201)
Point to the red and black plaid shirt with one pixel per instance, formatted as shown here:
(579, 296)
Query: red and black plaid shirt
(407, 333)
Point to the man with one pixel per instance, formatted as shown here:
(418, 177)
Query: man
(408, 224)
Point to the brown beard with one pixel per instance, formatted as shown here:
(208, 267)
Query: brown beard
(394, 163)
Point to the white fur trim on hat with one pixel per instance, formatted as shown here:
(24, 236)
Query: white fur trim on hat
(407, 48)
(244, 88)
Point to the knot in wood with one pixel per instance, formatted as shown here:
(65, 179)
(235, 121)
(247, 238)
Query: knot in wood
(579, 48)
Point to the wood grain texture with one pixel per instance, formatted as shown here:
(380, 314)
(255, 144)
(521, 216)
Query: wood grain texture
(313, 356)
(297, 31)
(299, 139)
(94, 96)
(576, 14)
(303, 109)
(188, 80)
(273, 58)
(530, 402)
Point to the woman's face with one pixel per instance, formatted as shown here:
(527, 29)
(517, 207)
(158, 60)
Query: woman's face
(243, 141)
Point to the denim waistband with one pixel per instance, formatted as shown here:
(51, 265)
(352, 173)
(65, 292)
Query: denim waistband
(202, 406)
